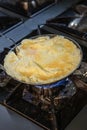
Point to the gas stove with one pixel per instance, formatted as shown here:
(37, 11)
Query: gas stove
(46, 105)
(40, 104)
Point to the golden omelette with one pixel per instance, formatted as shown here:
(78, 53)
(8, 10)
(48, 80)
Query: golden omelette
(42, 60)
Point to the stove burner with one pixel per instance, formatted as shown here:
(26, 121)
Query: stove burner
(55, 84)
(40, 116)
(42, 95)
(45, 105)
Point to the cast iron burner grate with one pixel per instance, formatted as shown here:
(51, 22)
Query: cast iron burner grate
(42, 117)
(41, 105)
(42, 95)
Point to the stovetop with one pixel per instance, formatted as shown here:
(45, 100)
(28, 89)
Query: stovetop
(12, 92)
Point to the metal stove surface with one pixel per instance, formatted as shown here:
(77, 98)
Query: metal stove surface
(9, 120)
(11, 92)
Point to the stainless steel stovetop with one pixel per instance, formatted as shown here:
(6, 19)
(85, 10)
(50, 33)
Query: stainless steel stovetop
(12, 93)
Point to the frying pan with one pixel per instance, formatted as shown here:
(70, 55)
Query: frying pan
(50, 36)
